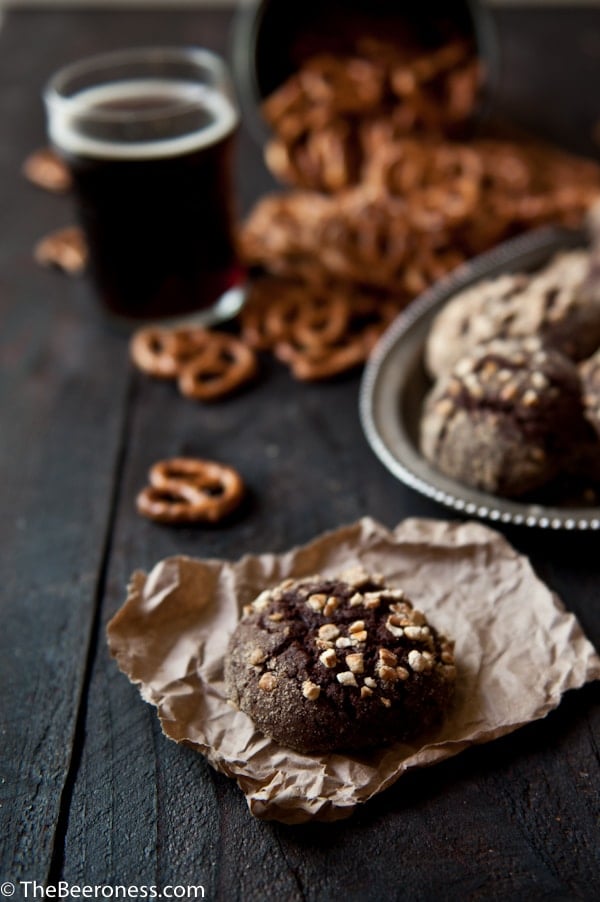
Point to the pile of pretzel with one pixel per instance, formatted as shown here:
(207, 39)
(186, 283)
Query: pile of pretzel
(329, 115)
(386, 200)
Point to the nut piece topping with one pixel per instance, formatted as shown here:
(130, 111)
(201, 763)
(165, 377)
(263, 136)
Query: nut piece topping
(416, 632)
(356, 627)
(386, 702)
(277, 617)
(388, 674)
(393, 625)
(370, 682)
(316, 602)
(328, 631)
(331, 605)
(355, 662)
(372, 599)
(420, 661)
(365, 692)
(262, 602)
(387, 657)
(267, 682)
(347, 678)
(310, 690)
(328, 658)
(357, 599)
(343, 642)
(257, 656)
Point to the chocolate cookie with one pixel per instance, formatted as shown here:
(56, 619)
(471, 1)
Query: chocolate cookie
(331, 664)
(505, 418)
(554, 304)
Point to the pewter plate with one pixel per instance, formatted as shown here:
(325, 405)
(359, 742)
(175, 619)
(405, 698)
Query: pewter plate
(395, 383)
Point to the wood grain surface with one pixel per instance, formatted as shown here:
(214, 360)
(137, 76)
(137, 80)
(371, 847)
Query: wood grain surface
(91, 791)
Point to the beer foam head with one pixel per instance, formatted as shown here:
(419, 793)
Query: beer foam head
(140, 119)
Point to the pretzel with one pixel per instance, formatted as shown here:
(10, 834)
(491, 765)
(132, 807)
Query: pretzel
(46, 170)
(161, 352)
(220, 365)
(65, 249)
(315, 363)
(190, 490)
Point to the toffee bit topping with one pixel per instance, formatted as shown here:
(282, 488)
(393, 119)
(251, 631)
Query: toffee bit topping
(393, 625)
(420, 661)
(267, 682)
(355, 662)
(416, 632)
(346, 678)
(328, 658)
(263, 601)
(388, 674)
(331, 605)
(356, 627)
(387, 657)
(530, 398)
(358, 637)
(316, 602)
(328, 631)
(310, 690)
(257, 656)
(509, 391)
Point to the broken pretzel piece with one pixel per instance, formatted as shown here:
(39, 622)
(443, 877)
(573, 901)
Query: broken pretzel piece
(66, 249)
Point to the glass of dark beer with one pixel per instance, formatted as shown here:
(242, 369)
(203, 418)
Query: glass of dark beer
(148, 136)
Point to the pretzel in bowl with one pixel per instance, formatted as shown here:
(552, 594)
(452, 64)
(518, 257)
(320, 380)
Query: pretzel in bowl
(190, 490)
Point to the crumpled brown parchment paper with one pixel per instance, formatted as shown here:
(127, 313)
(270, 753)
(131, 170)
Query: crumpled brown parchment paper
(517, 652)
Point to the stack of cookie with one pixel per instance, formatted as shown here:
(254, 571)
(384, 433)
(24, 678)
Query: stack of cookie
(516, 401)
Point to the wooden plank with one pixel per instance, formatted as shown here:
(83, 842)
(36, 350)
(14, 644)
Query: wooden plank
(59, 385)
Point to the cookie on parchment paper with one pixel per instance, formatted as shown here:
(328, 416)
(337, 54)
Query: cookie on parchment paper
(338, 664)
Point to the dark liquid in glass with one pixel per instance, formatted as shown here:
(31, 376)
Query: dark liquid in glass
(159, 228)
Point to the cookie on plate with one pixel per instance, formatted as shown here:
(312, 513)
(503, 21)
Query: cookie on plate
(338, 664)
(556, 304)
(505, 418)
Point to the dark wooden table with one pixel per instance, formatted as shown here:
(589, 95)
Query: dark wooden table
(91, 792)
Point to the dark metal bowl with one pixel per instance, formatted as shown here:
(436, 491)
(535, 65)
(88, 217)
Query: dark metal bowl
(395, 383)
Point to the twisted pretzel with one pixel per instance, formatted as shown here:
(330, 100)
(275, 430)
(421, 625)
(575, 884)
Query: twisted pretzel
(190, 490)
(220, 365)
(161, 352)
